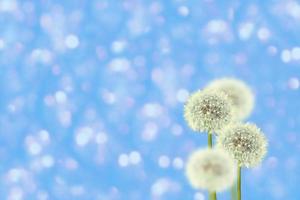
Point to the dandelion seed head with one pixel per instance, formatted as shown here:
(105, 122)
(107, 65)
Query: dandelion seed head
(207, 111)
(211, 169)
(240, 95)
(245, 142)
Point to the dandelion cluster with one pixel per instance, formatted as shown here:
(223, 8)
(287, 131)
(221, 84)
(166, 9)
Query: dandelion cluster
(219, 108)
(207, 111)
(238, 93)
(245, 142)
(211, 169)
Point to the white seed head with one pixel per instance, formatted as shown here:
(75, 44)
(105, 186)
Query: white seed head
(245, 142)
(208, 111)
(240, 95)
(210, 169)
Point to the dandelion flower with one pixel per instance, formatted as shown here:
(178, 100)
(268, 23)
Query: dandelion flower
(245, 142)
(239, 94)
(211, 169)
(207, 111)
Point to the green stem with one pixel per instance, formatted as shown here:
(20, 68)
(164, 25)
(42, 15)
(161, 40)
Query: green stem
(212, 195)
(233, 191)
(209, 142)
(239, 183)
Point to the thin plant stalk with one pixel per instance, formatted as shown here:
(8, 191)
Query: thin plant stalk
(239, 183)
(233, 191)
(212, 195)
(209, 142)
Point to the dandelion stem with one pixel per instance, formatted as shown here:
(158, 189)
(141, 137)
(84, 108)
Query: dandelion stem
(233, 191)
(209, 139)
(239, 183)
(212, 195)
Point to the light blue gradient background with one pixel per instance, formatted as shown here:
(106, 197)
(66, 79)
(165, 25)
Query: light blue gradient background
(165, 52)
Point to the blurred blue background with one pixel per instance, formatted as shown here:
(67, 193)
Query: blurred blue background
(92, 94)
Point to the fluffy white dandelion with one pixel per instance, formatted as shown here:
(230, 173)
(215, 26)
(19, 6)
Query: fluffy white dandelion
(208, 111)
(245, 142)
(240, 95)
(210, 169)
